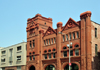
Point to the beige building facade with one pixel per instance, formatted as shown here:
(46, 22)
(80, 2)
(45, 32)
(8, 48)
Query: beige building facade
(13, 57)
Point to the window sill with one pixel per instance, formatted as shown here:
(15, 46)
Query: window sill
(19, 51)
(3, 55)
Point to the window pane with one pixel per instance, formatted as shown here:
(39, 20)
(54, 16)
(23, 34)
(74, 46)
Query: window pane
(76, 52)
(19, 48)
(70, 36)
(49, 41)
(96, 49)
(44, 42)
(53, 55)
(76, 46)
(64, 47)
(66, 37)
(49, 56)
(30, 44)
(77, 34)
(54, 40)
(95, 32)
(63, 38)
(45, 56)
(33, 57)
(71, 53)
(33, 43)
(73, 35)
(65, 53)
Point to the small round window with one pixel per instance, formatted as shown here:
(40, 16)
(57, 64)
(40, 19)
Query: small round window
(64, 47)
(45, 51)
(76, 45)
(49, 51)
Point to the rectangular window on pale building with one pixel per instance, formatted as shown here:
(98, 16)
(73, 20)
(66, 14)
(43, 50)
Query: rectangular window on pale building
(18, 58)
(63, 38)
(3, 52)
(95, 32)
(18, 48)
(96, 49)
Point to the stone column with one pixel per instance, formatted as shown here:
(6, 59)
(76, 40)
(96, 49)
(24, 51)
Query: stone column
(58, 46)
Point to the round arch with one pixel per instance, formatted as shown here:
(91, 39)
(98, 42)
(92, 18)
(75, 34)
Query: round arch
(32, 67)
(65, 64)
(50, 67)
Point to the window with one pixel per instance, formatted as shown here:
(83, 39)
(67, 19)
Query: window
(49, 56)
(96, 49)
(3, 68)
(64, 47)
(18, 58)
(18, 67)
(53, 55)
(70, 36)
(66, 37)
(33, 43)
(45, 51)
(63, 38)
(95, 32)
(49, 51)
(19, 48)
(71, 53)
(30, 44)
(30, 56)
(76, 52)
(54, 40)
(53, 49)
(44, 42)
(73, 35)
(77, 33)
(76, 46)
(33, 57)
(3, 52)
(3, 60)
(65, 53)
(45, 56)
(49, 41)
(33, 52)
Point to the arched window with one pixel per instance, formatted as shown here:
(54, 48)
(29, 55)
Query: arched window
(54, 50)
(49, 51)
(64, 48)
(50, 67)
(76, 45)
(45, 51)
(33, 52)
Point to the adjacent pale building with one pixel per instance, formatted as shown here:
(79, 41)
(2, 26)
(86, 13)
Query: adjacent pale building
(13, 57)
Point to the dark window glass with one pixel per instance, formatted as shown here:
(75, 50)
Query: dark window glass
(73, 35)
(76, 52)
(49, 56)
(64, 47)
(76, 45)
(19, 48)
(30, 58)
(45, 56)
(63, 38)
(96, 49)
(45, 51)
(53, 49)
(71, 52)
(30, 44)
(44, 42)
(33, 57)
(95, 32)
(65, 53)
(53, 55)
(66, 37)
(49, 51)
(54, 40)
(33, 52)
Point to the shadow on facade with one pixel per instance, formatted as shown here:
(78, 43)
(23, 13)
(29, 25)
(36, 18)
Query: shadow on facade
(96, 62)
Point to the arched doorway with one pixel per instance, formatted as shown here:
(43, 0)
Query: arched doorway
(50, 67)
(72, 67)
(32, 68)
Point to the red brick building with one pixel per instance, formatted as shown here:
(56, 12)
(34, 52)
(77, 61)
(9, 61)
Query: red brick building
(47, 47)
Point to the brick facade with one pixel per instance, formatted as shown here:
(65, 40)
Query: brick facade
(46, 46)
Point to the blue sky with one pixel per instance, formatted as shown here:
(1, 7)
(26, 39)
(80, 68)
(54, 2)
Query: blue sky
(14, 15)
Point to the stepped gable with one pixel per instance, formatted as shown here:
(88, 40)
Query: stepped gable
(70, 24)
